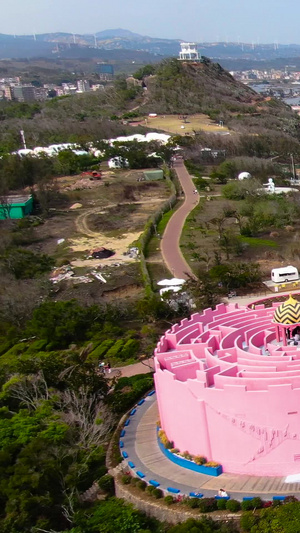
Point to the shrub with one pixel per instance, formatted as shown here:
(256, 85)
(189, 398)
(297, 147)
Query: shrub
(107, 484)
(129, 349)
(200, 460)
(233, 506)
(150, 489)
(187, 456)
(248, 520)
(290, 499)
(164, 439)
(169, 445)
(255, 503)
(25, 264)
(212, 464)
(126, 479)
(207, 505)
(193, 503)
(101, 350)
(174, 450)
(169, 500)
(128, 391)
(115, 350)
(221, 504)
(134, 481)
(267, 504)
(141, 484)
(157, 493)
(276, 503)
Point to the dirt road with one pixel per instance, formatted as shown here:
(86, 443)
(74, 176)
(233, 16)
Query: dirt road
(170, 242)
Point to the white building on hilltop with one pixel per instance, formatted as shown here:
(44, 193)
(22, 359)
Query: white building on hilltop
(189, 52)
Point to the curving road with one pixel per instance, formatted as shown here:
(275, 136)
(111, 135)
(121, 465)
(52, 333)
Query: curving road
(170, 243)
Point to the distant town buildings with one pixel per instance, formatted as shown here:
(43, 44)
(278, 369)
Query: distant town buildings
(105, 71)
(83, 86)
(12, 89)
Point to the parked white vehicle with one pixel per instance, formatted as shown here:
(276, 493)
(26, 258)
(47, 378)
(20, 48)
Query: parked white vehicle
(288, 273)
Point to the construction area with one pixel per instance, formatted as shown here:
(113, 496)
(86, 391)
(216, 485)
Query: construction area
(91, 233)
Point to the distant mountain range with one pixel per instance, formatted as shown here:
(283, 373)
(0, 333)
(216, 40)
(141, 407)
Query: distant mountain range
(68, 45)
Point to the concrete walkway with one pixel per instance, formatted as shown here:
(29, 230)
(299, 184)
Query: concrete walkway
(137, 368)
(140, 444)
(170, 243)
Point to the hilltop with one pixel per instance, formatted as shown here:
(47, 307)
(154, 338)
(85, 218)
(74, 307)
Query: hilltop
(188, 88)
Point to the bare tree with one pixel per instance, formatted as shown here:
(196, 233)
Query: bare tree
(89, 415)
(31, 390)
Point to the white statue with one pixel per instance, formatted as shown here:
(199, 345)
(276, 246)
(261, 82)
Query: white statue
(271, 185)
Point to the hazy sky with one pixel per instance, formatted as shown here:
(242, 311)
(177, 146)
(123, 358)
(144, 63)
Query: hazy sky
(208, 20)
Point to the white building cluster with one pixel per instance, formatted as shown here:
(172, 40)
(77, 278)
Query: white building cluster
(13, 89)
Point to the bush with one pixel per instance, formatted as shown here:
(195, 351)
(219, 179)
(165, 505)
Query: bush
(193, 503)
(24, 264)
(130, 349)
(248, 520)
(207, 505)
(221, 504)
(233, 506)
(169, 500)
(290, 499)
(134, 481)
(141, 484)
(276, 503)
(126, 479)
(101, 350)
(107, 484)
(169, 445)
(129, 390)
(200, 460)
(187, 456)
(150, 489)
(255, 503)
(157, 493)
(115, 350)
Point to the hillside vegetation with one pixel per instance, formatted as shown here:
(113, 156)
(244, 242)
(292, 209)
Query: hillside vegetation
(188, 88)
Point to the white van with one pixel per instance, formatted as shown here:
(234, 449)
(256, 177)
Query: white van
(288, 273)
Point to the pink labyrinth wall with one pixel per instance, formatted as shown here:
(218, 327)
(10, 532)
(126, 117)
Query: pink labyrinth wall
(221, 396)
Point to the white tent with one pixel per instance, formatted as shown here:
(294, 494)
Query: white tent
(174, 282)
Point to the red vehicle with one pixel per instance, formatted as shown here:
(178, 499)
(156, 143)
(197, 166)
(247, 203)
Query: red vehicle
(92, 174)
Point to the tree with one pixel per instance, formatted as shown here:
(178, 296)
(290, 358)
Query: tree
(204, 290)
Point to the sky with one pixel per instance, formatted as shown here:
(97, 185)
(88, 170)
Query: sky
(257, 21)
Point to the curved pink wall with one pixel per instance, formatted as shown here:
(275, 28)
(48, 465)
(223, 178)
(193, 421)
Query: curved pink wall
(220, 396)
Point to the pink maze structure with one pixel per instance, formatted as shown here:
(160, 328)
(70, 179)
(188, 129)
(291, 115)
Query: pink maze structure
(227, 390)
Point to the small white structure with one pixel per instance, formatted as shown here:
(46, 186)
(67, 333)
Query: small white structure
(189, 52)
(118, 162)
(284, 274)
(170, 285)
(271, 185)
(244, 176)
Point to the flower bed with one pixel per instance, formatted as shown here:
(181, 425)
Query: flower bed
(186, 460)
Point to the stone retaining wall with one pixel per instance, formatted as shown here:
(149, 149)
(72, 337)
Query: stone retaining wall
(172, 515)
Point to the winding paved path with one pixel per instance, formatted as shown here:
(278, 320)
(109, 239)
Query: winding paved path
(170, 243)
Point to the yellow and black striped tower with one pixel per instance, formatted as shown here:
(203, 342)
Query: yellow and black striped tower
(288, 312)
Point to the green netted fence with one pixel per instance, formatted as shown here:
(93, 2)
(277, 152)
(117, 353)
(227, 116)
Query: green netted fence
(151, 224)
